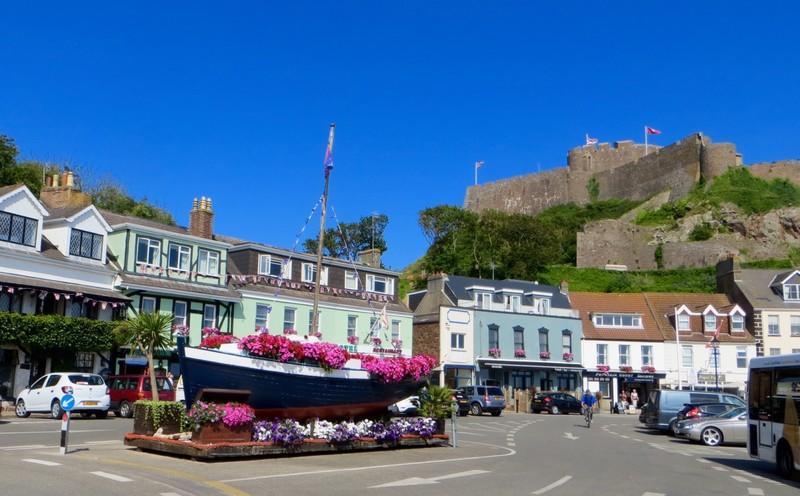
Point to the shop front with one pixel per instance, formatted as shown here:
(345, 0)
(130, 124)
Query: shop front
(458, 375)
(529, 374)
(612, 384)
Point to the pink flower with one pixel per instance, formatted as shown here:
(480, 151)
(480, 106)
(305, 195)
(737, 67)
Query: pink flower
(237, 414)
(352, 339)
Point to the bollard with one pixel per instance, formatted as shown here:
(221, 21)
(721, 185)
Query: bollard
(453, 425)
(64, 433)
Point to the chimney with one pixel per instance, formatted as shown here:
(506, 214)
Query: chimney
(436, 282)
(729, 271)
(59, 191)
(201, 218)
(370, 257)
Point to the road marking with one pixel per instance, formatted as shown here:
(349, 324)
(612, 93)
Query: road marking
(638, 440)
(554, 485)
(418, 481)
(625, 437)
(41, 462)
(570, 436)
(170, 494)
(739, 478)
(23, 447)
(42, 446)
(755, 491)
(509, 452)
(54, 432)
(720, 469)
(113, 477)
(702, 460)
(512, 444)
(470, 433)
(653, 494)
(110, 441)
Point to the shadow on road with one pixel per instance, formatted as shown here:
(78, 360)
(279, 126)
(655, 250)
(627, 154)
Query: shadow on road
(757, 467)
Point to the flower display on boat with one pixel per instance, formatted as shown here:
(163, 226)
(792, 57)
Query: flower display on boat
(290, 432)
(398, 369)
(352, 339)
(231, 414)
(494, 352)
(328, 355)
(215, 340)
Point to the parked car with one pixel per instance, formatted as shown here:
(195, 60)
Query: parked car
(728, 428)
(485, 399)
(693, 410)
(662, 407)
(128, 389)
(44, 395)
(555, 402)
(408, 407)
(462, 402)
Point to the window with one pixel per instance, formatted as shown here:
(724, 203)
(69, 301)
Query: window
(147, 251)
(380, 284)
(180, 257)
(52, 380)
(624, 354)
(683, 322)
(148, 304)
(795, 350)
(84, 361)
(795, 325)
(519, 338)
(86, 244)
(617, 320)
(352, 322)
(512, 303)
(350, 279)
(208, 262)
(741, 357)
(288, 318)
(544, 340)
(605, 389)
(494, 336)
(395, 330)
(791, 292)
(18, 229)
(737, 323)
(687, 356)
(566, 341)
(710, 322)
(483, 301)
(773, 328)
(647, 355)
(179, 313)
(774, 351)
(602, 354)
(310, 274)
(456, 341)
(262, 315)
(267, 265)
(209, 315)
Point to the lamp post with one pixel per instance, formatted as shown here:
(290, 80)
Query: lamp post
(715, 351)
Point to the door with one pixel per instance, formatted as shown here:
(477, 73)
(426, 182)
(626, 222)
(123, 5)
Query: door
(34, 398)
(760, 407)
(51, 391)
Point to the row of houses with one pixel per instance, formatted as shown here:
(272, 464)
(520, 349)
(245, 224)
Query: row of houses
(522, 334)
(61, 256)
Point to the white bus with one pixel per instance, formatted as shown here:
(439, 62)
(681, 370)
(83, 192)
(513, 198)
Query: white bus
(773, 400)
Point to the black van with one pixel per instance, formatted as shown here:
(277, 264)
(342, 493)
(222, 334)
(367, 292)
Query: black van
(663, 405)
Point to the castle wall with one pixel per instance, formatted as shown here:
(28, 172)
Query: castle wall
(604, 156)
(618, 243)
(784, 169)
(716, 158)
(529, 194)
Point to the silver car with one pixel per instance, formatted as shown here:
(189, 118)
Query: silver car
(728, 428)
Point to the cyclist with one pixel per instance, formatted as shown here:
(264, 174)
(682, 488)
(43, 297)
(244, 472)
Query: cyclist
(587, 402)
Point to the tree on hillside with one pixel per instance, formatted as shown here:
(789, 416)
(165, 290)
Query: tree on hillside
(109, 195)
(358, 236)
(8, 152)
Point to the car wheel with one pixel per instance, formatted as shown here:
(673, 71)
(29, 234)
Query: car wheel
(496, 413)
(671, 429)
(55, 410)
(476, 409)
(711, 436)
(102, 414)
(554, 410)
(21, 411)
(86, 414)
(125, 409)
(785, 461)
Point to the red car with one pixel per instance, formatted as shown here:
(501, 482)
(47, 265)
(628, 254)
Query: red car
(128, 389)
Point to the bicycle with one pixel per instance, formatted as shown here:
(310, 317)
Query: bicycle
(588, 413)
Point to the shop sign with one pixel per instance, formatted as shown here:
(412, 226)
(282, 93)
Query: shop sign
(705, 377)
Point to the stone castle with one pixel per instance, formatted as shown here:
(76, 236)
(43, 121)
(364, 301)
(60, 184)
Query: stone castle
(625, 170)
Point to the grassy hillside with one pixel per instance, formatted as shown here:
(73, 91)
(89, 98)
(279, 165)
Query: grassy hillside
(679, 280)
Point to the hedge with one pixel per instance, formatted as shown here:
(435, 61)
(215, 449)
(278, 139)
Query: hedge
(47, 332)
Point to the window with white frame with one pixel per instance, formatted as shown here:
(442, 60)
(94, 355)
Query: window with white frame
(270, 266)
(483, 301)
(617, 320)
(179, 257)
(148, 304)
(544, 340)
(380, 284)
(208, 262)
(795, 325)
(288, 318)
(179, 313)
(262, 315)
(309, 274)
(774, 351)
(209, 315)
(515, 302)
(647, 355)
(456, 341)
(350, 279)
(683, 322)
(624, 354)
(147, 251)
(687, 356)
(741, 357)
(737, 323)
(566, 341)
(773, 327)
(605, 389)
(395, 330)
(602, 354)
(519, 338)
(791, 292)
(710, 322)
(352, 323)
(85, 244)
(494, 336)
(18, 229)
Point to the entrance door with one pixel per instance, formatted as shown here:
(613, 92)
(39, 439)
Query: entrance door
(760, 408)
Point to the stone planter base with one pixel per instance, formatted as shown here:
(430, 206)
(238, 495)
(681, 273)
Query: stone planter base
(221, 433)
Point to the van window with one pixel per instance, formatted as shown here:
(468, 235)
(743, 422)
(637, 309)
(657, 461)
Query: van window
(674, 399)
(481, 391)
(703, 398)
(495, 391)
(161, 382)
(86, 379)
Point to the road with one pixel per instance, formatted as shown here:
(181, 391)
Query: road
(515, 454)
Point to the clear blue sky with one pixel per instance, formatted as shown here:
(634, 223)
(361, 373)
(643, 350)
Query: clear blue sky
(233, 99)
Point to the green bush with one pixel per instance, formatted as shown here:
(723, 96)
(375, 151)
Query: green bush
(701, 232)
(701, 280)
(47, 332)
(162, 412)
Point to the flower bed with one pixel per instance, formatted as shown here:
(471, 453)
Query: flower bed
(287, 432)
(214, 422)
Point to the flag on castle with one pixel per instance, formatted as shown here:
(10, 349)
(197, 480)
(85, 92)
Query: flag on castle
(590, 141)
(651, 130)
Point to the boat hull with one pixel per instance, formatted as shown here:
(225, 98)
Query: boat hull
(287, 390)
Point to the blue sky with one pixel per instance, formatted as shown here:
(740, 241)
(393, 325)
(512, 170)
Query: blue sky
(232, 100)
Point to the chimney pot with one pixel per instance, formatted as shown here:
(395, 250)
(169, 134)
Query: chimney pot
(201, 218)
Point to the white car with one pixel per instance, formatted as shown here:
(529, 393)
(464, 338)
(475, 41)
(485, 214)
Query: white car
(407, 406)
(44, 395)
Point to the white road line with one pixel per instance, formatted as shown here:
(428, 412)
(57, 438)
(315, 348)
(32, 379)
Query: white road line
(653, 494)
(739, 478)
(113, 477)
(720, 469)
(554, 485)
(23, 447)
(638, 440)
(110, 441)
(54, 432)
(702, 460)
(459, 474)
(470, 433)
(512, 444)
(41, 462)
(625, 437)
(755, 491)
(170, 494)
(42, 446)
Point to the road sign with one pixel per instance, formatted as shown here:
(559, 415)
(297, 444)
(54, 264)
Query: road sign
(67, 402)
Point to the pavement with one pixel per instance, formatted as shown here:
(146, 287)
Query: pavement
(515, 454)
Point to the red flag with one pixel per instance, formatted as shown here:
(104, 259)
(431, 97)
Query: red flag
(650, 130)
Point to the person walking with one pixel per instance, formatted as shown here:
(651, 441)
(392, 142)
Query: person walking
(634, 399)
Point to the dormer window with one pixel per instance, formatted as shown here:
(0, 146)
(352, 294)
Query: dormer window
(270, 266)
(483, 301)
(208, 262)
(618, 320)
(310, 274)
(791, 292)
(350, 279)
(710, 322)
(179, 257)
(737, 323)
(512, 303)
(18, 229)
(380, 284)
(147, 251)
(683, 322)
(86, 244)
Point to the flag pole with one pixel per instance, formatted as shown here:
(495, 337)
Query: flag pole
(476, 173)
(678, 345)
(327, 166)
(645, 140)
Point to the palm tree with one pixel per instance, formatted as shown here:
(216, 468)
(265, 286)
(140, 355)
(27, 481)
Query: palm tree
(148, 332)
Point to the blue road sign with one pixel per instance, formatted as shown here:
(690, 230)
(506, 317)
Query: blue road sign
(67, 402)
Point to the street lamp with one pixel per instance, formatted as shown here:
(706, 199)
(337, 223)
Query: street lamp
(715, 351)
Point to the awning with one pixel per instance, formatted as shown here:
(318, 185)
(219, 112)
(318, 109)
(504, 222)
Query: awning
(530, 364)
(457, 366)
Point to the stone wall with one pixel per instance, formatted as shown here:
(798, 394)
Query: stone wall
(785, 169)
(529, 194)
(604, 156)
(617, 243)
(425, 339)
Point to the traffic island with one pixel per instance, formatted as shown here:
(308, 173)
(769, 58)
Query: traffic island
(253, 449)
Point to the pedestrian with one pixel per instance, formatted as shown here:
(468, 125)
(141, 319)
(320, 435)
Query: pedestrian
(170, 381)
(634, 399)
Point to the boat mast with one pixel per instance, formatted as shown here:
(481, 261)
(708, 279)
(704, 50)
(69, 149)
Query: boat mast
(327, 166)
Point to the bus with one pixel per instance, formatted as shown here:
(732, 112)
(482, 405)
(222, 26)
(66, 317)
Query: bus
(773, 401)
